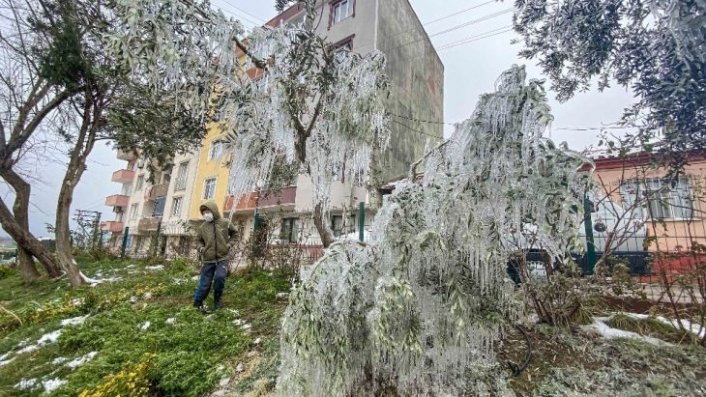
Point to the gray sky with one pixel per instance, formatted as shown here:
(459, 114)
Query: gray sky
(471, 69)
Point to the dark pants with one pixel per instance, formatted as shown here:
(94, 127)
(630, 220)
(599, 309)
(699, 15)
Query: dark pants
(208, 271)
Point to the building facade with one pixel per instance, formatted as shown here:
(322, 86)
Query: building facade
(416, 114)
(672, 208)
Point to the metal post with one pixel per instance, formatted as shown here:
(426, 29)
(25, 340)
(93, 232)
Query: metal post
(96, 230)
(361, 221)
(590, 258)
(124, 245)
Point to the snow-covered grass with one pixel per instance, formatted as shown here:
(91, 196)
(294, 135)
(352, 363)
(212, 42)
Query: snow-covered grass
(72, 340)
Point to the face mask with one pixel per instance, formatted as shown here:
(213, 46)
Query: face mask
(208, 217)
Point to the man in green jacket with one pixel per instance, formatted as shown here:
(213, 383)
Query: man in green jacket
(215, 237)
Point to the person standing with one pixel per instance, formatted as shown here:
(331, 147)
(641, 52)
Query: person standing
(215, 237)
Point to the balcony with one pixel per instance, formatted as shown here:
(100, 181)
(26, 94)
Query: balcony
(117, 200)
(127, 156)
(149, 224)
(123, 176)
(112, 226)
(287, 196)
(157, 191)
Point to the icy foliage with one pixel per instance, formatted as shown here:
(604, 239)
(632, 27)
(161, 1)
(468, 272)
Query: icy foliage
(418, 309)
(309, 106)
(320, 110)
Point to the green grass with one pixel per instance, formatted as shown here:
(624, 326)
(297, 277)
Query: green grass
(185, 358)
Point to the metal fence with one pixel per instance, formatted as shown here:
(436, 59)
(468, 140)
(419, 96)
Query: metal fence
(656, 225)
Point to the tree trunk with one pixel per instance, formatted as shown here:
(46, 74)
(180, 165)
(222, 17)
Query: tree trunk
(322, 226)
(20, 213)
(375, 180)
(83, 146)
(63, 232)
(26, 264)
(74, 171)
(23, 238)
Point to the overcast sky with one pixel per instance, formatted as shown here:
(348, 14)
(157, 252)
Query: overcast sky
(470, 70)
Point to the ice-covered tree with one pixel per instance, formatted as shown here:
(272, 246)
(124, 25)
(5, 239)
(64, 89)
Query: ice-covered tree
(310, 106)
(416, 310)
(655, 47)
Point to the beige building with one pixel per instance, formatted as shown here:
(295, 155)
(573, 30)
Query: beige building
(152, 211)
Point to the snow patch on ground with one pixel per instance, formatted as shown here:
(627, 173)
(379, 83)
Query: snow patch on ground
(52, 384)
(93, 281)
(75, 363)
(59, 360)
(4, 362)
(28, 349)
(145, 326)
(51, 337)
(26, 384)
(170, 321)
(155, 268)
(74, 321)
(694, 328)
(600, 327)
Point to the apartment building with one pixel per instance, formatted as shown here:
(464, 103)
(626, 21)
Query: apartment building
(152, 209)
(416, 74)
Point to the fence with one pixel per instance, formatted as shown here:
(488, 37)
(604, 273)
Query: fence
(655, 224)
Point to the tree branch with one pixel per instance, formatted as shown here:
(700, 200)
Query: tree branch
(257, 61)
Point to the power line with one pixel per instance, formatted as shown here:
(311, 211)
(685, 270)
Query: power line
(419, 120)
(463, 41)
(476, 38)
(463, 25)
(415, 130)
(458, 12)
(259, 20)
(444, 17)
(473, 21)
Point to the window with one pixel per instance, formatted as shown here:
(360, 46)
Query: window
(216, 150)
(158, 209)
(659, 198)
(133, 211)
(341, 10)
(209, 189)
(343, 48)
(176, 206)
(140, 183)
(288, 231)
(182, 176)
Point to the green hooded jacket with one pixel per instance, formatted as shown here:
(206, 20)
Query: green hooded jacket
(215, 237)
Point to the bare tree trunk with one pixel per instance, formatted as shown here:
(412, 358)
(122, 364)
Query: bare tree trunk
(85, 141)
(322, 226)
(20, 213)
(63, 232)
(26, 264)
(23, 238)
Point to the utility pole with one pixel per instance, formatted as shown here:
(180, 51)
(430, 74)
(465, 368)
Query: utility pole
(86, 218)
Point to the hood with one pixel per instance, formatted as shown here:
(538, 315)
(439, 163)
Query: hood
(211, 206)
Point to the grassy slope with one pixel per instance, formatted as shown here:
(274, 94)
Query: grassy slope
(186, 358)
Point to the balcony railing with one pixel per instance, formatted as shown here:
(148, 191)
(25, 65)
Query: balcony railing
(157, 191)
(112, 226)
(123, 176)
(149, 224)
(249, 202)
(117, 200)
